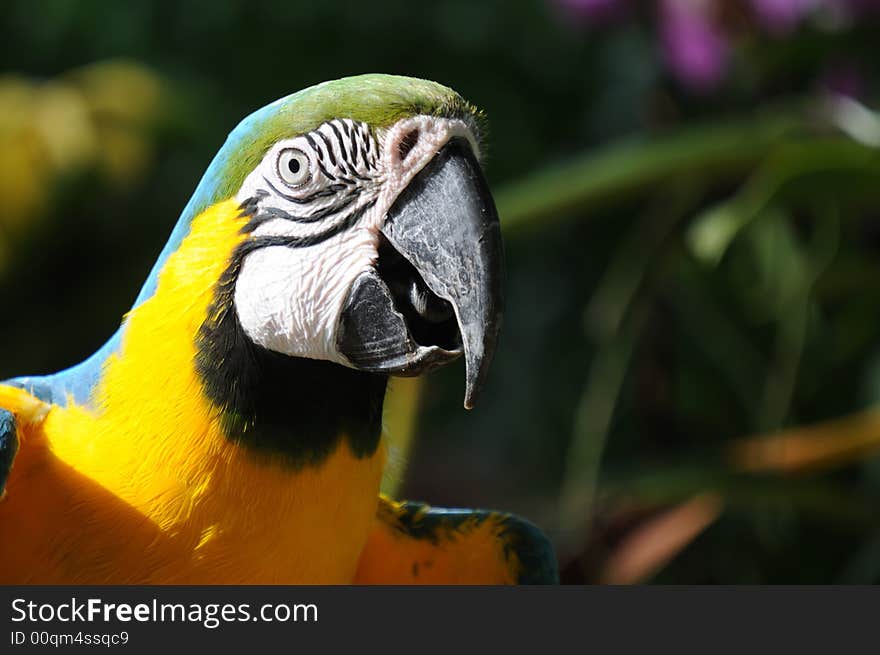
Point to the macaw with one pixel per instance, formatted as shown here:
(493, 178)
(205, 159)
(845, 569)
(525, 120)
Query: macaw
(230, 430)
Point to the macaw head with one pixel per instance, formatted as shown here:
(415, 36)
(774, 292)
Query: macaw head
(371, 238)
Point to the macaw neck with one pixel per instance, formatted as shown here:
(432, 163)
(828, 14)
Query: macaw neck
(184, 353)
(214, 461)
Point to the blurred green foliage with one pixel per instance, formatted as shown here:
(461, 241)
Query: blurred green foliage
(685, 269)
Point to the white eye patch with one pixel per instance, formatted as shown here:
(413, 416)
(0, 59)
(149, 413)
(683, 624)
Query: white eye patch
(317, 203)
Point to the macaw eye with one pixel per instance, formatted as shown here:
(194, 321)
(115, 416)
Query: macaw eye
(293, 167)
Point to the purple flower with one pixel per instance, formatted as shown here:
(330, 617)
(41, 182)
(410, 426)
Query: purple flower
(696, 50)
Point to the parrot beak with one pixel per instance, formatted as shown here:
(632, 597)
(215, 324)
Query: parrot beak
(436, 289)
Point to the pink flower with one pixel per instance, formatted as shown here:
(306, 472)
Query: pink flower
(696, 51)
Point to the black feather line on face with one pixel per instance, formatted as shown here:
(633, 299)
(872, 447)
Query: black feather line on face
(357, 143)
(329, 147)
(249, 207)
(346, 162)
(314, 146)
(326, 173)
(344, 203)
(296, 408)
(326, 192)
(355, 148)
(338, 134)
(271, 213)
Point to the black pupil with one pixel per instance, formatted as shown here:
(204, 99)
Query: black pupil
(293, 165)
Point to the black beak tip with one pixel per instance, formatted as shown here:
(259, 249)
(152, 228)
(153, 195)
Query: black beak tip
(477, 365)
(470, 398)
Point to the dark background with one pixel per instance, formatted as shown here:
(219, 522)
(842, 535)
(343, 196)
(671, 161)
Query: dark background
(689, 192)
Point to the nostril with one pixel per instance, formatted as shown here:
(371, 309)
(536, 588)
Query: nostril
(407, 143)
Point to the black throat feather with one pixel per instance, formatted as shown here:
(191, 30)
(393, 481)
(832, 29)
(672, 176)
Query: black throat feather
(300, 409)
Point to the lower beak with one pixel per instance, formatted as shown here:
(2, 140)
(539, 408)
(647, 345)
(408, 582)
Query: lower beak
(436, 290)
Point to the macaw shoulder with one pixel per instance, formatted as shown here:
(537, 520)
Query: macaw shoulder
(61, 408)
(20, 410)
(29, 404)
(414, 543)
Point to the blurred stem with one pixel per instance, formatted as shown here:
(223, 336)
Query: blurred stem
(793, 320)
(592, 421)
(400, 415)
(614, 319)
(619, 170)
(617, 290)
(709, 328)
(715, 228)
(658, 540)
(816, 448)
(782, 375)
(865, 564)
(793, 137)
(820, 498)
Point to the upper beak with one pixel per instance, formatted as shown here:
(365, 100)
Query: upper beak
(437, 288)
